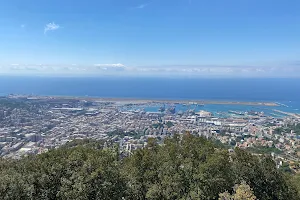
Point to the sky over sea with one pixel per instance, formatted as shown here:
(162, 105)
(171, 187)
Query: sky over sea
(197, 38)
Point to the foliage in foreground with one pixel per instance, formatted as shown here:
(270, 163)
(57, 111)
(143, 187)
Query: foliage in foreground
(241, 192)
(182, 168)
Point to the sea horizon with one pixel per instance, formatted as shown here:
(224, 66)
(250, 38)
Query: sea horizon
(180, 88)
(276, 90)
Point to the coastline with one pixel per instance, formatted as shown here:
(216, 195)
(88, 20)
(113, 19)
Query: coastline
(219, 102)
(142, 101)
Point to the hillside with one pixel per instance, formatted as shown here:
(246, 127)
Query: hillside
(185, 167)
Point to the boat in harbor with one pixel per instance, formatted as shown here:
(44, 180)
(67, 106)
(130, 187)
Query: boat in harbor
(162, 109)
(236, 112)
(171, 110)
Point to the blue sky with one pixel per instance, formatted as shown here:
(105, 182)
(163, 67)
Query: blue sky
(160, 37)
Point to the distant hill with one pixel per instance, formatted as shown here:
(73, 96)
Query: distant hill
(183, 167)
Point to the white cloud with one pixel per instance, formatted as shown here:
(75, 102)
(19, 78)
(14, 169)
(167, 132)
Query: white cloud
(109, 65)
(119, 69)
(51, 27)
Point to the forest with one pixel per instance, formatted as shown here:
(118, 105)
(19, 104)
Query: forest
(182, 167)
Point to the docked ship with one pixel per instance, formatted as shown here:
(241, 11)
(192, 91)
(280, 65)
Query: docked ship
(252, 112)
(236, 112)
(172, 110)
(162, 109)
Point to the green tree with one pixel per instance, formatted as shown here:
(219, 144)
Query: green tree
(262, 176)
(182, 167)
(241, 192)
(66, 173)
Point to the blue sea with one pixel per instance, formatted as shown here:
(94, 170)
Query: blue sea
(285, 91)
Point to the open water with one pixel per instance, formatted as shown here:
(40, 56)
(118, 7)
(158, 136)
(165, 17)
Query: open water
(282, 90)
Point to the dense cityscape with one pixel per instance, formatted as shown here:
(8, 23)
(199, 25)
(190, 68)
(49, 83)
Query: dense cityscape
(33, 125)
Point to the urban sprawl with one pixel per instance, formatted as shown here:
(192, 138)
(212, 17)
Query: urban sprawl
(33, 125)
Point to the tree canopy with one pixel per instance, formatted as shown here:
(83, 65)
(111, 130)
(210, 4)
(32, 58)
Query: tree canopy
(183, 167)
